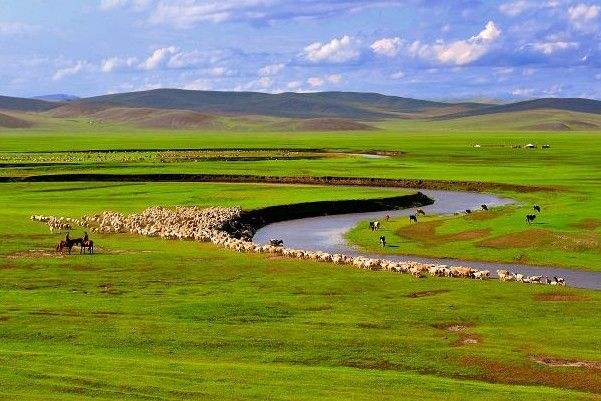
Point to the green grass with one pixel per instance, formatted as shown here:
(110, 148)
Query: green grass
(155, 319)
(150, 318)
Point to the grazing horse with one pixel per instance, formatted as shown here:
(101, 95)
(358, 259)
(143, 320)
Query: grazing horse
(536, 207)
(484, 207)
(276, 242)
(420, 211)
(530, 218)
(412, 218)
(382, 241)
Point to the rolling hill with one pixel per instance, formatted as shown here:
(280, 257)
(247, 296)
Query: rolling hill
(355, 105)
(22, 104)
(7, 121)
(566, 104)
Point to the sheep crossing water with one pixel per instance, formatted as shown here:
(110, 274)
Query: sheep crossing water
(209, 224)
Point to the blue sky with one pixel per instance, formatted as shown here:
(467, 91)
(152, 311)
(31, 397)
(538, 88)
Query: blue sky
(431, 49)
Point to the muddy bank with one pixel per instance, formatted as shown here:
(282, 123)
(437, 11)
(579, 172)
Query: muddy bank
(252, 220)
(470, 186)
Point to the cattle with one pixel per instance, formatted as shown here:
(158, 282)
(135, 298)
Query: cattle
(382, 241)
(484, 207)
(530, 218)
(413, 218)
(276, 242)
(468, 211)
(374, 225)
(420, 211)
(536, 208)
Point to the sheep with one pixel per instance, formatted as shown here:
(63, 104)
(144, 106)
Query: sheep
(208, 225)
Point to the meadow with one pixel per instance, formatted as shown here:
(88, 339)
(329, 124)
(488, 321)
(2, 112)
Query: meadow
(146, 318)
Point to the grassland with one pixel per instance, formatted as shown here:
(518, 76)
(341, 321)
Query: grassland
(157, 319)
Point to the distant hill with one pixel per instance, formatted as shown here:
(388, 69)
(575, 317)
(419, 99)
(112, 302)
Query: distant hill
(7, 121)
(58, 97)
(22, 104)
(188, 119)
(567, 104)
(355, 105)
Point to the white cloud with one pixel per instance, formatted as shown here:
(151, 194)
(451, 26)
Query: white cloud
(397, 75)
(315, 82)
(198, 85)
(334, 78)
(294, 85)
(460, 52)
(71, 70)
(386, 46)
(338, 50)
(158, 58)
(515, 8)
(271, 70)
(219, 72)
(115, 64)
(583, 15)
(106, 5)
(552, 47)
(16, 28)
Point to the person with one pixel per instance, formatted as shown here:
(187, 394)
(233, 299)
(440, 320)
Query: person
(67, 239)
(85, 237)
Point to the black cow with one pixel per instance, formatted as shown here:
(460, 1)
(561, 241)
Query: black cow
(382, 241)
(413, 218)
(536, 207)
(530, 218)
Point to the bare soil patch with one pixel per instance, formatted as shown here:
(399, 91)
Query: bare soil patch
(535, 373)
(484, 215)
(561, 297)
(36, 253)
(420, 294)
(425, 233)
(540, 238)
(572, 363)
(588, 224)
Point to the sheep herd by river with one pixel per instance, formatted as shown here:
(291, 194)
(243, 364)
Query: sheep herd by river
(220, 225)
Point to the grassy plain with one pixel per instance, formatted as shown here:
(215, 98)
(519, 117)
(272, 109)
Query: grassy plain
(155, 319)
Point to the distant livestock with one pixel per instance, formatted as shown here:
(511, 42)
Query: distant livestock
(468, 211)
(209, 225)
(276, 242)
(420, 211)
(536, 207)
(413, 218)
(374, 225)
(484, 207)
(530, 218)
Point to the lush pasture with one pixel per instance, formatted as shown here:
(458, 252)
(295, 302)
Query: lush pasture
(148, 318)
(430, 150)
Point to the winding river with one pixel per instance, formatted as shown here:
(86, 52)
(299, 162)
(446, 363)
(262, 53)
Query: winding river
(327, 233)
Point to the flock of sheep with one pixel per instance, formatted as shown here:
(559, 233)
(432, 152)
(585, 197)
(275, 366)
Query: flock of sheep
(209, 225)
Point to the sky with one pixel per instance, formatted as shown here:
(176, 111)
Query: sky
(428, 49)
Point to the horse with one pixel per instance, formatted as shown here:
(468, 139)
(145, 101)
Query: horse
(536, 208)
(382, 241)
(530, 218)
(412, 218)
(87, 244)
(68, 243)
(484, 207)
(420, 211)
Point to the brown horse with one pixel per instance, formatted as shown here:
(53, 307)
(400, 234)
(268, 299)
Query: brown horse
(87, 245)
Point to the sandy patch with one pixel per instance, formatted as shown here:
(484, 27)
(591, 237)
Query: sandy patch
(588, 224)
(540, 238)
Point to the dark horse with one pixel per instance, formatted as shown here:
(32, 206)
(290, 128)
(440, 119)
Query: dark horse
(68, 244)
(87, 245)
